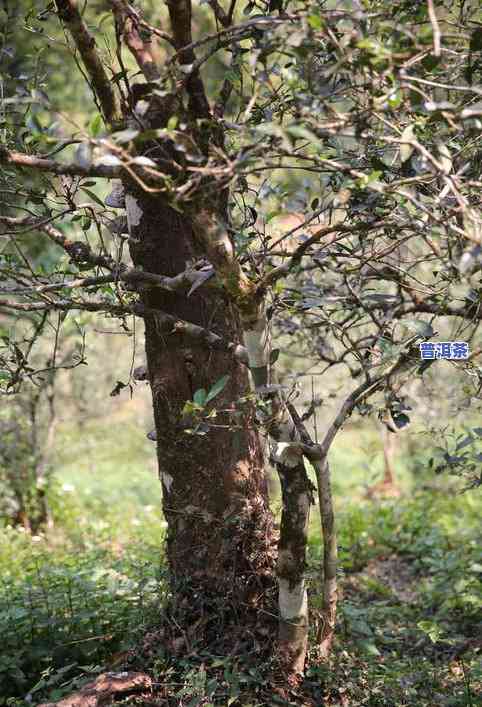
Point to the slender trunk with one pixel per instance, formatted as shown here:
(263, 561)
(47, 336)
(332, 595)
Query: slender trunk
(319, 459)
(292, 595)
(220, 530)
(326, 630)
(293, 625)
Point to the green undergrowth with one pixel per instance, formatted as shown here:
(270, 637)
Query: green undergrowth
(74, 599)
(410, 617)
(69, 602)
(86, 588)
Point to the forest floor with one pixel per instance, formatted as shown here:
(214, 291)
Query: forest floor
(77, 599)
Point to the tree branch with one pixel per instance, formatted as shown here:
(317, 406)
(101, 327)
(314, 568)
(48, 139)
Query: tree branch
(326, 630)
(20, 159)
(143, 175)
(219, 13)
(471, 311)
(165, 322)
(128, 22)
(71, 18)
(131, 276)
(238, 30)
(180, 15)
(284, 269)
(357, 396)
(190, 279)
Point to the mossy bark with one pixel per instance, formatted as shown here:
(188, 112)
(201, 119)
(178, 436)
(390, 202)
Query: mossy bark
(293, 600)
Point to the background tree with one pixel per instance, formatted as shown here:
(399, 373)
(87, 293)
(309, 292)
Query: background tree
(378, 107)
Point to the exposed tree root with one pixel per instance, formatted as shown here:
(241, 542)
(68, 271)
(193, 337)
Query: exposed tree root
(105, 689)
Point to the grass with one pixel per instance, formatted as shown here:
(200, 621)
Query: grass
(74, 599)
(411, 601)
(85, 589)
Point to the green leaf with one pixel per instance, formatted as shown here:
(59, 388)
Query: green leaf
(93, 196)
(464, 442)
(315, 22)
(200, 396)
(431, 629)
(430, 62)
(425, 34)
(476, 40)
(395, 98)
(189, 408)
(368, 647)
(274, 356)
(95, 125)
(401, 420)
(299, 131)
(217, 388)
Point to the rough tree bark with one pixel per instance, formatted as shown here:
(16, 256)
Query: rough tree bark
(220, 529)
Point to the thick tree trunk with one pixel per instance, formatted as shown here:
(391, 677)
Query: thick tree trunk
(215, 501)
